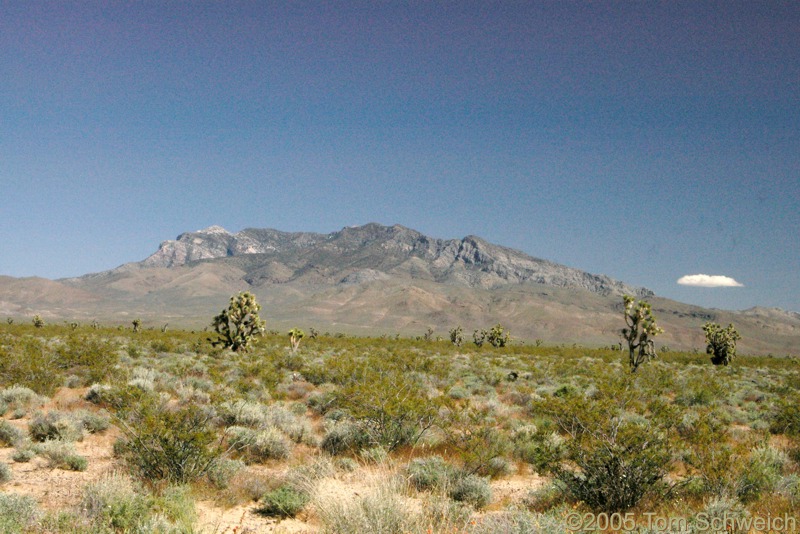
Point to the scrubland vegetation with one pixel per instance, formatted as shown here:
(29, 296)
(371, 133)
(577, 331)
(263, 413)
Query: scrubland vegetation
(431, 434)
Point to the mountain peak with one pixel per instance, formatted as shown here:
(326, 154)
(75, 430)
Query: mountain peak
(213, 230)
(271, 256)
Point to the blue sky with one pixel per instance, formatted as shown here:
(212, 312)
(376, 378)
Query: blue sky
(643, 140)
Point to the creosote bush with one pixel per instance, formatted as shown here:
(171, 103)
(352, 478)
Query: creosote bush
(177, 444)
(610, 459)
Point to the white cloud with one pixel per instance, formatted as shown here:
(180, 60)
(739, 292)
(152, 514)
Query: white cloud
(708, 280)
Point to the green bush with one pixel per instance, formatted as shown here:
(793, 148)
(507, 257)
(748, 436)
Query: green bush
(62, 455)
(18, 513)
(471, 489)
(786, 417)
(283, 502)
(75, 462)
(175, 507)
(28, 363)
(222, 472)
(389, 402)
(5, 473)
(162, 442)
(116, 503)
(55, 425)
(94, 422)
(20, 397)
(345, 437)
(99, 394)
(88, 356)
(259, 445)
(613, 458)
(23, 454)
(9, 434)
(764, 469)
(431, 473)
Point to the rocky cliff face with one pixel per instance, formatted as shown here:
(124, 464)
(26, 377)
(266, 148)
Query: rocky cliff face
(361, 254)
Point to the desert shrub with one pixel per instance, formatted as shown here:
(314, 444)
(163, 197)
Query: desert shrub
(471, 489)
(61, 454)
(345, 436)
(440, 514)
(55, 425)
(99, 394)
(18, 513)
(222, 472)
(435, 474)
(162, 442)
(789, 487)
(143, 378)
(617, 459)
(283, 502)
(20, 397)
(537, 446)
(458, 392)
(719, 509)
(76, 462)
(430, 473)
(94, 422)
(389, 403)
(709, 452)
(762, 472)
(9, 434)
(90, 357)
(28, 362)
(242, 413)
(786, 417)
(255, 446)
(5, 473)
(374, 455)
(23, 454)
(380, 511)
(305, 477)
(175, 509)
(116, 502)
(546, 497)
(519, 522)
(473, 432)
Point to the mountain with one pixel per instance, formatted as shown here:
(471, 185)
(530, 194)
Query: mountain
(376, 279)
(373, 252)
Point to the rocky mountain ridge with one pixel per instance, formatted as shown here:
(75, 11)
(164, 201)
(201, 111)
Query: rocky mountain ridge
(370, 252)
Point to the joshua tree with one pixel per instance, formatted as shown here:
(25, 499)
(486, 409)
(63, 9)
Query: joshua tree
(641, 327)
(38, 322)
(428, 335)
(497, 336)
(721, 343)
(237, 325)
(478, 337)
(137, 323)
(295, 335)
(456, 336)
